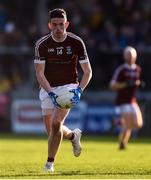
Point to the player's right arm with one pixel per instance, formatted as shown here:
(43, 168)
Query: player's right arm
(39, 68)
(119, 82)
(39, 62)
(115, 84)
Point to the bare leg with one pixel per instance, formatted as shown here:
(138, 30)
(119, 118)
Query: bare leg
(137, 117)
(124, 137)
(55, 137)
(67, 133)
(54, 141)
(126, 129)
(48, 123)
(56, 131)
(132, 120)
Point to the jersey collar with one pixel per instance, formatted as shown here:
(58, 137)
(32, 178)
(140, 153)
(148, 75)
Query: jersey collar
(57, 40)
(133, 66)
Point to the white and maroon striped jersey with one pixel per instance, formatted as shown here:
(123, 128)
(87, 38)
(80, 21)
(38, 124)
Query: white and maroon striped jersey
(61, 58)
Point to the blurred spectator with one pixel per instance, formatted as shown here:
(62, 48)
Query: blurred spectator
(105, 26)
(3, 15)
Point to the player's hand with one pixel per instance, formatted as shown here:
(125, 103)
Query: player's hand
(77, 95)
(53, 97)
(137, 83)
(130, 83)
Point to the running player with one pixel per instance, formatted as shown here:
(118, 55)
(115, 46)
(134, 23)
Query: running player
(126, 81)
(56, 57)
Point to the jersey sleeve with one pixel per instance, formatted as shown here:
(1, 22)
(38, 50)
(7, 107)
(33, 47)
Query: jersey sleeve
(82, 52)
(116, 76)
(39, 54)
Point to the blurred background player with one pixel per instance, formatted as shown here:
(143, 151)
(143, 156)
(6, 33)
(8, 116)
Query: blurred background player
(56, 57)
(125, 82)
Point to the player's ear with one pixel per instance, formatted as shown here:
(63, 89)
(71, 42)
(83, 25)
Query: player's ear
(49, 25)
(67, 24)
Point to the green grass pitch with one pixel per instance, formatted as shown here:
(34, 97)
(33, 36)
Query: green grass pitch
(23, 157)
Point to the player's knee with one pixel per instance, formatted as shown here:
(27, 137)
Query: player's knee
(138, 125)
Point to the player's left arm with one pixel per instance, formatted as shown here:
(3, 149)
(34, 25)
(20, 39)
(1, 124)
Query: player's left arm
(139, 81)
(87, 74)
(84, 63)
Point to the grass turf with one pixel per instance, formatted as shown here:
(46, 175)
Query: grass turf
(23, 157)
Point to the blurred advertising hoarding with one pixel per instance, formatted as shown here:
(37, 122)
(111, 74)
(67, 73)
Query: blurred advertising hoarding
(26, 117)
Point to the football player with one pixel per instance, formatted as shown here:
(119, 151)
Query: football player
(56, 57)
(125, 82)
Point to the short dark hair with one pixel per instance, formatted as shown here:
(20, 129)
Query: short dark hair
(57, 13)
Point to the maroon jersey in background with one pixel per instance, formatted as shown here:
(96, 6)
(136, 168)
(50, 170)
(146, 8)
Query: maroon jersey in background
(125, 73)
(61, 58)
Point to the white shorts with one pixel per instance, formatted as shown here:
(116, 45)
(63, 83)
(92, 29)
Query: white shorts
(128, 108)
(46, 103)
(131, 108)
(135, 110)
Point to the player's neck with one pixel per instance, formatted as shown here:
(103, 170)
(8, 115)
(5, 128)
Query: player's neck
(60, 39)
(133, 65)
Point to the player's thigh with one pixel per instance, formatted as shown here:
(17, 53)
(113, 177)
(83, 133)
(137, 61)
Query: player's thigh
(60, 115)
(47, 119)
(127, 115)
(138, 120)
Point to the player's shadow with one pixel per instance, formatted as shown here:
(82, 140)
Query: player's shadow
(78, 173)
(74, 173)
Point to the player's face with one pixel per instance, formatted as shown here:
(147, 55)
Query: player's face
(129, 57)
(58, 27)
